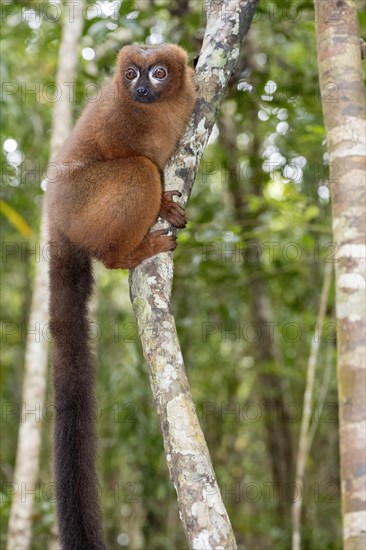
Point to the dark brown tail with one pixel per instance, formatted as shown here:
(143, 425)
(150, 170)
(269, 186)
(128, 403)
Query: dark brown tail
(78, 511)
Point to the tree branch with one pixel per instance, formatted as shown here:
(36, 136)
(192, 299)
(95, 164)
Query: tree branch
(205, 520)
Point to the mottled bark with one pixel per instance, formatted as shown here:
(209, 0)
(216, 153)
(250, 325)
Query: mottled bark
(36, 352)
(202, 511)
(339, 62)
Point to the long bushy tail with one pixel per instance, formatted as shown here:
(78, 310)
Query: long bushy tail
(78, 511)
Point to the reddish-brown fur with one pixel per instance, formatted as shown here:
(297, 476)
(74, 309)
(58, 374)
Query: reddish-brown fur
(104, 194)
(106, 191)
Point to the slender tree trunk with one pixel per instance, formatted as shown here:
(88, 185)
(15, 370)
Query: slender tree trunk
(202, 511)
(273, 396)
(36, 352)
(340, 76)
(305, 430)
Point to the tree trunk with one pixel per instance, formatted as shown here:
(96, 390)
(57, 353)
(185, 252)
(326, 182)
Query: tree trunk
(36, 352)
(340, 75)
(305, 430)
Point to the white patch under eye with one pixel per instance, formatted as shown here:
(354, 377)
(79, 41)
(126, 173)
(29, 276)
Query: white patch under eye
(155, 80)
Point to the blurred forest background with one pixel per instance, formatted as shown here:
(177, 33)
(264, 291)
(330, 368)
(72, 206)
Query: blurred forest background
(249, 271)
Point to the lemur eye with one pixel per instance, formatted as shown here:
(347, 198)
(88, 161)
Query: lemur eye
(130, 73)
(159, 73)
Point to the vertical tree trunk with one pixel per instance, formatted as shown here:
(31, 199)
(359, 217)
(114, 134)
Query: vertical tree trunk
(36, 352)
(339, 61)
(305, 430)
(273, 396)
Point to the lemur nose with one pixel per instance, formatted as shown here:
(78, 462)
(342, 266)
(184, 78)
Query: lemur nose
(142, 91)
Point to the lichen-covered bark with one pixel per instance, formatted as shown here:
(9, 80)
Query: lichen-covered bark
(203, 514)
(36, 352)
(339, 61)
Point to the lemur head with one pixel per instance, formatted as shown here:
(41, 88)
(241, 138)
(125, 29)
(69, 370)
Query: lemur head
(152, 73)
